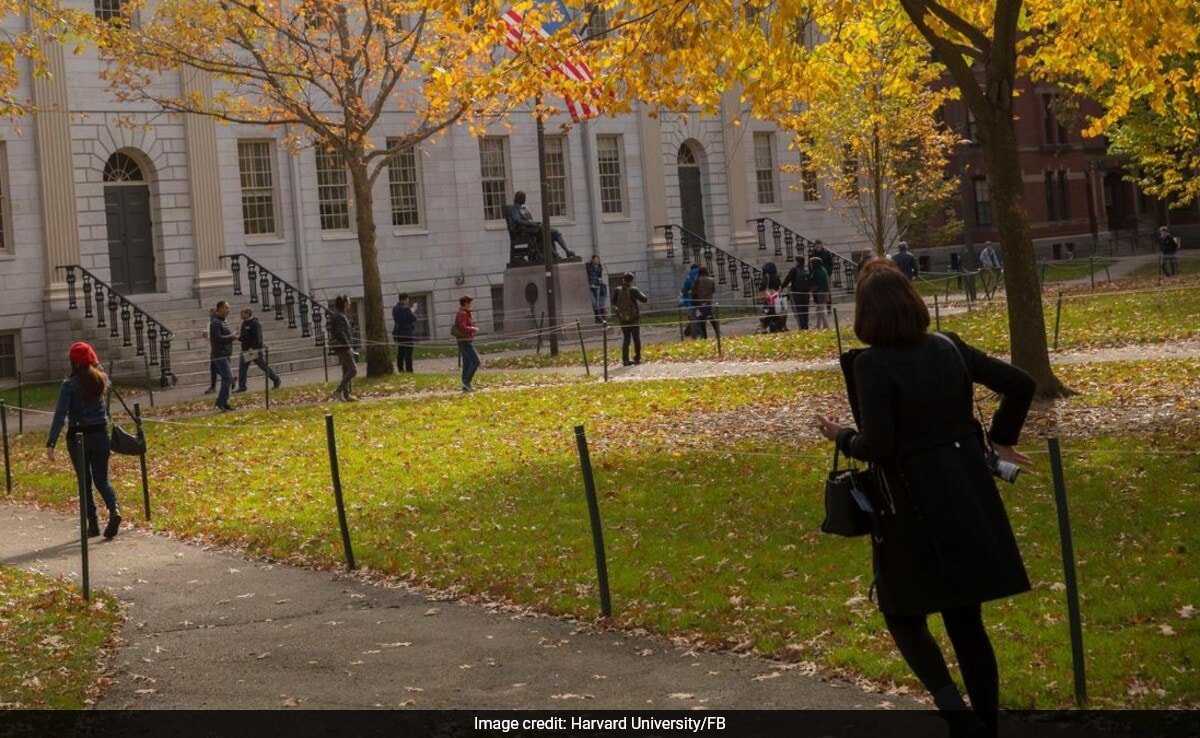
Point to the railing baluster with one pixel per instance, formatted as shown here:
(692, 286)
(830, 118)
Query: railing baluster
(235, 266)
(152, 337)
(291, 306)
(746, 289)
(720, 267)
(318, 328)
(139, 327)
(100, 306)
(87, 295)
(112, 314)
(277, 294)
(708, 257)
(264, 283)
(304, 327)
(685, 245)
(252, 280)
(776, 235)
(762, 234)
(126, 339)
(71, 304)
(789, 241)
(165, 350)
(670, 236)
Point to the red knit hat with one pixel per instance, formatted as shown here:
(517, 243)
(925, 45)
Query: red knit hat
(82, 354)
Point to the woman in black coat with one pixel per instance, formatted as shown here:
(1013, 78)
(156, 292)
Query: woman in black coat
(944, 543)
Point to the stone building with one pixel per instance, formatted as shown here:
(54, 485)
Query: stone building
(153, 204)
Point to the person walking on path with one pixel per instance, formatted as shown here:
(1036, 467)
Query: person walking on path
(1168, 249)
(220, 343)
(906, 262)
(625, 302)
(702, 304)
(81, 407)
(595, 277)
(685, 299)
(989, 262)
(798, 282)
(404, 320)
(251, 339)
(342, 345)
(212, 365)
(820, 291)
(942, 542)
(464, 332)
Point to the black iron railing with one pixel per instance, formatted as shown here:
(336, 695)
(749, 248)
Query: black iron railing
(273, 292)
(788, 243)
(736, 273)
(133, 325)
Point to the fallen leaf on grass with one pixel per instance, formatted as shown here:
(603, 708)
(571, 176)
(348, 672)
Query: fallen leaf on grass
(1187, 612)
(572, 696)
(765, 677)
(680, 696)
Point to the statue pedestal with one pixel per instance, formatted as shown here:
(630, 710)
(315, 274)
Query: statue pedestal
(572, 297)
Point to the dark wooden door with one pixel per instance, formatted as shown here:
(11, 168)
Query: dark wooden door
(130, 239)
(691, 198)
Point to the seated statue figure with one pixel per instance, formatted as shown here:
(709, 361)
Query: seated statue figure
(522, 228)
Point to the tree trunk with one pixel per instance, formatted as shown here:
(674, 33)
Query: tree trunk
(379, 362)
(1026, 320)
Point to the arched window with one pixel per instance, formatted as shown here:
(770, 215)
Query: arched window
(686, 156)
(122, 168)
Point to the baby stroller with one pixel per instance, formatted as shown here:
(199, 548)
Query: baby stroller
(774, 312)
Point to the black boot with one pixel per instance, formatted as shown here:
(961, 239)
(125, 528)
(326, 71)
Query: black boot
(93, 523)
(114, 523)
(963, 722)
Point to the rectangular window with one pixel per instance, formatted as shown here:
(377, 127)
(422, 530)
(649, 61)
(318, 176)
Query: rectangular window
(404, 187)
(972, 128)
(333, 192)
(597, 20)
(6, 239)
(809, 191)
(1051, 205)
(493, 173)
(850, 170)
(498, 308)
(558, 184)
(107, 10)
(764, 168)
(8, 356)
(1055, 133)
(1064, 202)
(612, 174)
(983, 202)
(256, 168)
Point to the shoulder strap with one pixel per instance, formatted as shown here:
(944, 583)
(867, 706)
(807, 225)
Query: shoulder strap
(112, 389)
(970, 381)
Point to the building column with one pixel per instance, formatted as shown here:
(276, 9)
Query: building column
(654, 181)
(208, 234)
(56, 166)
(735, 137)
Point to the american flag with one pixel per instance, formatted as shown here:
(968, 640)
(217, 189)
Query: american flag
(575, 69)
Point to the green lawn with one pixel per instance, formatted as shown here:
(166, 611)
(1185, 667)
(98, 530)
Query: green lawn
(51, 641)
(41, 395)
(711, 503)
(1054, 271)
(1186, 266)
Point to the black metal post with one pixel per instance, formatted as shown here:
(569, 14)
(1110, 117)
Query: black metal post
(4, 432)
(589, 488)
(547, 245)
(337, 492)
(682, 321)
(137, 419)
(604, 325)
(81, 478)
(837, 327)
(583, 348)
(20, 403)
(266, 356)
(937, 312)
(716, 324)
(1068, 557)
(1057, 320)
(1092, 270)
(149, 383)
(325, 362)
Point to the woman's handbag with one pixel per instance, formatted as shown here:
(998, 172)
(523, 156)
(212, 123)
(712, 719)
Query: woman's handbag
(848, 495)
(123, 443)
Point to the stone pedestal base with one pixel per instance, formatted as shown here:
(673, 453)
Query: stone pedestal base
(572, 297)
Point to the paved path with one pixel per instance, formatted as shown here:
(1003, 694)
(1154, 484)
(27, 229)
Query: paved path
(209, 628)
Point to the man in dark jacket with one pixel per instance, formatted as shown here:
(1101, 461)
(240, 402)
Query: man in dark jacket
(702, 304)
(521, 222)
(251, 338)
(404, 320)
(824, 254)
(1168, 249)
(625, 302)
(799, 282)
(906, 261)
(341, 344)
(220, 343)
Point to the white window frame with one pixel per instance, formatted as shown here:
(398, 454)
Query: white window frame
(7, 245)
(765, 173)
(272, 172)
(323, 190)
(16, 339)
(417, 183)
(810, 185)
(621, 188)
(485, 179)
(564, 151)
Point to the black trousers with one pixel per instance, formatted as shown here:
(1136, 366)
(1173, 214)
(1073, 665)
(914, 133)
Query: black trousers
(404, 355)
(976, 659)
(631, 333)
(799, 302)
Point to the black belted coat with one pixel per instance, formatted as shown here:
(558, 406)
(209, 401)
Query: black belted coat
(944, 537)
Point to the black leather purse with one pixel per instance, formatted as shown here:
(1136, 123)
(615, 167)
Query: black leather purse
(121, 442)
(848, 495)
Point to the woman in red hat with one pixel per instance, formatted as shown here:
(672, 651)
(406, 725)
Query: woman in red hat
(81, 406)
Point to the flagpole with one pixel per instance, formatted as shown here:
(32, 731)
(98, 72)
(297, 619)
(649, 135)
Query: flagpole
(547, 245)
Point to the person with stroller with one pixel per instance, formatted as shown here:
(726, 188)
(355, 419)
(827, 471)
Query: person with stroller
(798, 283)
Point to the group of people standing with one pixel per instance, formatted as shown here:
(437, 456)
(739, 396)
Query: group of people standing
(806, 284)
(220, 341)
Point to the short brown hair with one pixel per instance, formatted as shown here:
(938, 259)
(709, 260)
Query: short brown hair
(465, 300)
(887, 309)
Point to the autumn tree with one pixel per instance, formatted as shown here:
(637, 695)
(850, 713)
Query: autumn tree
(327, 73)
(1121, 52)
(40, 22)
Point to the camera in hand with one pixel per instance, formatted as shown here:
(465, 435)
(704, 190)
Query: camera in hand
(1005, 470)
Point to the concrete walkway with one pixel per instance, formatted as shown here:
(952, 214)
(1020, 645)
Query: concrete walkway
(212, 629)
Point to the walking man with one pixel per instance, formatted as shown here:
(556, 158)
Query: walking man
(404, 320)
(625, 302)
(989, 262)
(799, 282)
(1168, 248)
(220, 343)
(702, 300)
(251, 338)
(340, 342)
(906, 261)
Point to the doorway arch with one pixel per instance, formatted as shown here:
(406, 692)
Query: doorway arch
(129, 225)
(688, 161)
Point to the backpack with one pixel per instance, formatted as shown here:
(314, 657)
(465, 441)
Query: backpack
(456, 332)
(625, 304)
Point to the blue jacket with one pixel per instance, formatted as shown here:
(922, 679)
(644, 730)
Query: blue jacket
(71, 406)
(404, 319)
(685, 294)
(220, 338)
(907, 263)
